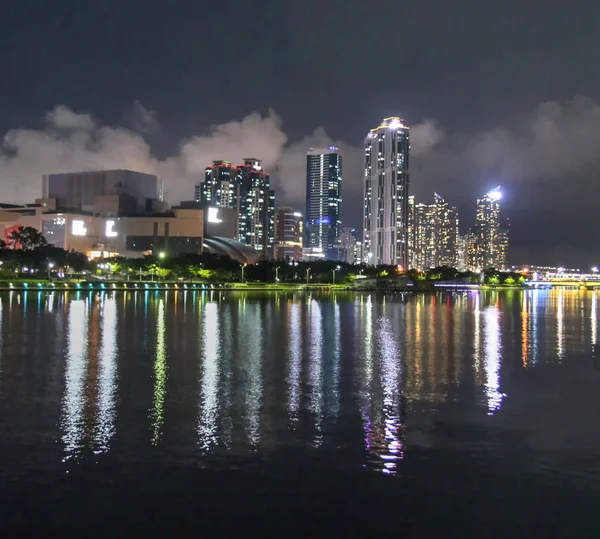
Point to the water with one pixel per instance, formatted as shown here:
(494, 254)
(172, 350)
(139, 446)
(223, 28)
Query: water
(190, 413)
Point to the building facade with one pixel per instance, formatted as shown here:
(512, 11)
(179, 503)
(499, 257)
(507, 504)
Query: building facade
(446, 232)
(220, 186)
(288, 234)
(348, 245)
(423, 254)
(256, 207)
(386, 191)
(323, 201)
(120, 191)
(485, 248)
(246, 189)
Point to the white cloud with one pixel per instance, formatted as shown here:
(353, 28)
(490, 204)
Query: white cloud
(556, 143)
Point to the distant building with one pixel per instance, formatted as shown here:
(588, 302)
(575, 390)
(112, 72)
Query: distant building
(502, 255)
(461, 259)
(220, 187)
(385, 229)
(323, 201)
(487, 231)
(245, 189)
(423, 242)
(257, 207)
(446, 232)
(348, 245)
(288, 234)
(109, 192)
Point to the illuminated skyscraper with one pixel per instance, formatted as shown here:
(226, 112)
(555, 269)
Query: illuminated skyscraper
(288, 234)
(461, 258)
(446, 232)
(487, 229)
(385, 224)
(323, 201)
(423, 255)
(246, 189)
(256, 207)
(220, 186)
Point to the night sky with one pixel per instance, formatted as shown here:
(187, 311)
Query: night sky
(496, 93)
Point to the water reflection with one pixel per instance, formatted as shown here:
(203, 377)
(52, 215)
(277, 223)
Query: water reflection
(391, 361)
(493, 357)
(253, 373)
(294, 336)
(315, 368)
(251, 334)
(560, 326)
(594, 318)
(75, 375)
(207, 425)
(107, 376)
(160, 376)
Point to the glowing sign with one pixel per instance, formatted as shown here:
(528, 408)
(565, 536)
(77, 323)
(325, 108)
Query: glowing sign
(78, 228)
(110, 231)
(213, 215)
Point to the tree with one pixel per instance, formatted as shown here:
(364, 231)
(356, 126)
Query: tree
(28, 238)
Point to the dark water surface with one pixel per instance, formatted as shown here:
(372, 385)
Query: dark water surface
(192, 414)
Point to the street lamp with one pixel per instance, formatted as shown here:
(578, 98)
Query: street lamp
(334, 270)
(277, 274)
(50, 266)
(307, 275)
(243, 266)
(161, 257)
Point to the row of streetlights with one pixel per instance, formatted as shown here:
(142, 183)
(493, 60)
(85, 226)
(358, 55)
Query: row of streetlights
(338, 268)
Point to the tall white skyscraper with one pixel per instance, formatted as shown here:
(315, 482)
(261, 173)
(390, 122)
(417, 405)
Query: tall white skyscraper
(385, 224)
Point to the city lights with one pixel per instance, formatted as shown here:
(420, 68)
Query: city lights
(495, 194)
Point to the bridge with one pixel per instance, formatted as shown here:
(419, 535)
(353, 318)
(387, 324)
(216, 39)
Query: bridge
(590, 281)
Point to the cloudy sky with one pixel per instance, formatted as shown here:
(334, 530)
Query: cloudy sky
(496, 93)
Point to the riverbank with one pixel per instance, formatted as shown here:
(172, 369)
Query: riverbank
(41, 285)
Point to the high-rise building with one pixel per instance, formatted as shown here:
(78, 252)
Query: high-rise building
(446, 232)
(387, 181)
(246, 189)
(471, 250)
(487, 228)
(256, 207)
(501, 261)
(220, 186)
(323, 201)
(423, 253)
(348, 245)
(288, 234)
(461, 259)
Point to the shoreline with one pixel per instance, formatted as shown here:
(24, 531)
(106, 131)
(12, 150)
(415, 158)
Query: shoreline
(267, 287)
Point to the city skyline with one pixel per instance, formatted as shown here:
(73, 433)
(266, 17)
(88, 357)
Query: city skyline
(522, 124)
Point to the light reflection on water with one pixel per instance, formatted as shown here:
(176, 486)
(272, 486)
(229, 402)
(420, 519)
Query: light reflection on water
(76, 364)
(271, 371)
(107, 382)
(160, 376)
(210, 360)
